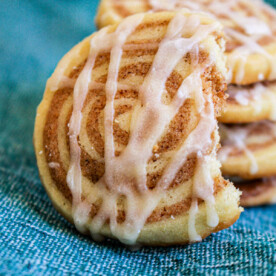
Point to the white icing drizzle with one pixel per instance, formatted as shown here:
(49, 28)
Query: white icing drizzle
(253, 28)
(149, 119)
(193, 235)
(241, 53)
(246, 96)
(238, 137)
(163, 4)
(53, 165)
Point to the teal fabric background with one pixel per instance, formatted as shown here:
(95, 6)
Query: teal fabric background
(34, 238)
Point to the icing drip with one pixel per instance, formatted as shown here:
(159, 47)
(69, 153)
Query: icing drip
(126, 175)
(240, 137)
(53, 165)
(193, 235)
(249, 46)
(74, 177)
(236, 138)
(251, 27)
(163, 4)
(245, 96)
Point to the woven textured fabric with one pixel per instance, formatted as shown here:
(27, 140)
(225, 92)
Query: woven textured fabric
(34, 238)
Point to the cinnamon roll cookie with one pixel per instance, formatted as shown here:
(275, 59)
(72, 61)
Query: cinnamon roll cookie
(126, 133)
(248, 151)
(250, 27)
(250, 103)
(257, 192)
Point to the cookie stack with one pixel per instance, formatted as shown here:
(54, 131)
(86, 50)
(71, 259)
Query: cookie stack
(248, 132)
(126, 136)
(248, 153)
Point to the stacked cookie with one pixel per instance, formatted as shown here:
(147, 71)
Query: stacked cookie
(248, 134)
(248, 131)
(126, 135)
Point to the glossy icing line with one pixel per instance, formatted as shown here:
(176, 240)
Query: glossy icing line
(236, 139)
(239, 138)
(246, 96)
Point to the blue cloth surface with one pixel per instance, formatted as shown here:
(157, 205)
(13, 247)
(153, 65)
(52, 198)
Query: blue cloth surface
(34, 238)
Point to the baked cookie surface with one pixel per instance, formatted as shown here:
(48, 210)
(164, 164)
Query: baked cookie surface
(257, 192)
(250, 103)
(126, 133)
(248, 150)
(250, 28)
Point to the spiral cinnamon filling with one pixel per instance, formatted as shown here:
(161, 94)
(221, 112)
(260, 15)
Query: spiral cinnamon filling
(253, 137)
(92, 168)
